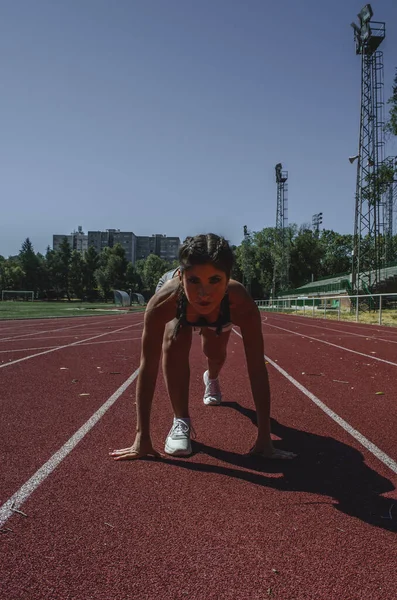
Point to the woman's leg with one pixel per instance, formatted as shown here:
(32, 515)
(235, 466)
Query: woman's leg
(176, 367)
(215, 349)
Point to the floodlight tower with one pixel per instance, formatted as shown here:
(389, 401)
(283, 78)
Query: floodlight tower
(316, 222)
(366, 266)
(281, 266)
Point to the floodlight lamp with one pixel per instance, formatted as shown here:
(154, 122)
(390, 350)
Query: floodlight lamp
(366, 14)
(365, 32)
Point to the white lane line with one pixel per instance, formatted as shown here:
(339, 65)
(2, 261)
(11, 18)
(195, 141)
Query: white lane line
(377, 452)
(371, 356)
(41, 474)
(383, 329)
(24, 335)
(341, 331)
(57, 337)
(82, 344)
(13, 362)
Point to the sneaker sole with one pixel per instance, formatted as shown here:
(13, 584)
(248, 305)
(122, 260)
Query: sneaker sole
(212, 402)
(176, 452)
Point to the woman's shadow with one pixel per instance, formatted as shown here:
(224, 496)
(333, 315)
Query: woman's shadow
(324, 466)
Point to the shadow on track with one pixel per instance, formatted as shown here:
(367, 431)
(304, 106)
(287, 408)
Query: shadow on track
(324, 466)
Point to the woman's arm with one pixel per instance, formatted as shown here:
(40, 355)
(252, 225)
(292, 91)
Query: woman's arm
(152, 339)
(157, 314)
(246, 315)
(251, 331)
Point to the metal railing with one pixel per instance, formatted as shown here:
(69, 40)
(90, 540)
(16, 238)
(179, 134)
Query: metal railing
(366, 308)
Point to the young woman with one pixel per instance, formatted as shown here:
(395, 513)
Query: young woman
(199, 295)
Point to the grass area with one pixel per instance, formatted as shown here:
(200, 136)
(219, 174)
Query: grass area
(42, 310)
(389, 317)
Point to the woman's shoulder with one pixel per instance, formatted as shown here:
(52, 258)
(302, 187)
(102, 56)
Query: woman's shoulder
(240, 301)
(162, 306)
(237, 293)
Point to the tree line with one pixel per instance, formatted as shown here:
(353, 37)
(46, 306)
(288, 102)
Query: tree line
(66, 273)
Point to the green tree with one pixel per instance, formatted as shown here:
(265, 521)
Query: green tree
(117, 267)
(102, 275)
(65, 257)
(30, 265)
(11, 275)
(76, 274)
(91, 263)
(306, 256)
(265, 259)
(53, 279)
(337, 257)
(391, 125)
(247, 261)
(153, 269)
(133, 279)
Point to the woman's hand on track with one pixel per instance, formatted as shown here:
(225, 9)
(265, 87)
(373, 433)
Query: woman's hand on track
(139, 449)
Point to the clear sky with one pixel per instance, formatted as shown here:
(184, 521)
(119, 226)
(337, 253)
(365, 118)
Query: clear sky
(168, 116)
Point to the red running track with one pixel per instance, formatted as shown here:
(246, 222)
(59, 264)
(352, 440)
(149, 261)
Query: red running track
(216, 525)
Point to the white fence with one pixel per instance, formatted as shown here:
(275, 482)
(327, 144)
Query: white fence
(336, 306)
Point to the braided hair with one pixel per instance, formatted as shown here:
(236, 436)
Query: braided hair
(200, 250)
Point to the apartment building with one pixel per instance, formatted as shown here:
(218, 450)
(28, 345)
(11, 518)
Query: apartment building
(165, 247)
(109, 238)
(136, 247)
(78, 240)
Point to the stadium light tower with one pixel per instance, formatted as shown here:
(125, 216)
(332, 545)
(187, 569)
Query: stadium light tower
(316, 222)
(247, 267)
(281, 258)
(369, 209)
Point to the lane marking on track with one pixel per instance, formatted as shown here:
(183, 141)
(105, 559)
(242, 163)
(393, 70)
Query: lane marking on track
(377, 452)
(88, 344)
(24, 335)
(57, 337)
(388, 362)
(367, 337)
(41, 474)
(13, 362)
(385, 329)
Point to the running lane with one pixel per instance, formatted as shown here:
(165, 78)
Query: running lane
(359, 388)
(44, 400)
(216, 525)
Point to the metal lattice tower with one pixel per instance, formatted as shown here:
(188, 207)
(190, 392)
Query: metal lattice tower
(281, 259)
(317, 219)
(369, 222)
(390, 199)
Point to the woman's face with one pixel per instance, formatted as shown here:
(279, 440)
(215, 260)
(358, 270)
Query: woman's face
(205, 287)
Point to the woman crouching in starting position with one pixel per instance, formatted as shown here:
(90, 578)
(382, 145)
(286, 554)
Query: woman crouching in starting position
(199, 294)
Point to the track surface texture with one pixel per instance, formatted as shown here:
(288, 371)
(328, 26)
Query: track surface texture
(76, 525)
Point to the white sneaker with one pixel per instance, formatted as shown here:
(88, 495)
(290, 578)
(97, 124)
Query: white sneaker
(178, 440)
(212, 394)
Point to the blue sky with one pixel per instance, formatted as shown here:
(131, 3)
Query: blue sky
(168, 116)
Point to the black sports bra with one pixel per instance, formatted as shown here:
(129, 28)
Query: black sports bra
(222, 320)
